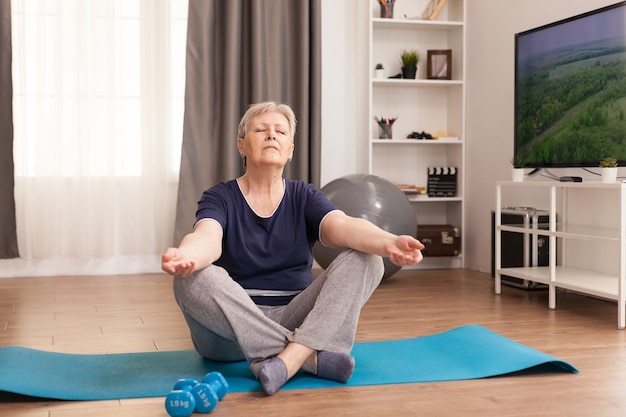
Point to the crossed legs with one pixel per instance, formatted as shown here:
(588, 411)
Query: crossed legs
(315, 332)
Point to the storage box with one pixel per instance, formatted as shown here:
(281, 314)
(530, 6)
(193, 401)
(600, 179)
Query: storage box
(521, 249)
(439, 239)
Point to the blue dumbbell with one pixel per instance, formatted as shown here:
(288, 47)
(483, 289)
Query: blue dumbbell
(208, 393)
(206, 398)
(217, 382)
(205, 395)
(181, 384)
(180, 402)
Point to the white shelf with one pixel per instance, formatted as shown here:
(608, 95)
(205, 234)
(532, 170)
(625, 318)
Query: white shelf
(570, 231)
(549, 184)
(575, 279)
(413, 142)
(421, 104)
(567, 273)
(400, 23)
(421, 198)
(404, 83)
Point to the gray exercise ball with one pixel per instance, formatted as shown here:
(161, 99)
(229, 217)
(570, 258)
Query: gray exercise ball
(375, 199)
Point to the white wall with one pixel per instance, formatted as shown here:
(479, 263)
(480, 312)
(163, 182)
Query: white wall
(491, 28)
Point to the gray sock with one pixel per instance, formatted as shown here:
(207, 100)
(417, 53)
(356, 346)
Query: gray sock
(335, 366)
(273, 375)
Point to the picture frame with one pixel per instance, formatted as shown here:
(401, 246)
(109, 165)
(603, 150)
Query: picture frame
(432, 9)
(439, 64)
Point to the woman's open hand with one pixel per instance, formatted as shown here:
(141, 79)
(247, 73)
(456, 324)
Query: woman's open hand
(405, 250)
(174, 262)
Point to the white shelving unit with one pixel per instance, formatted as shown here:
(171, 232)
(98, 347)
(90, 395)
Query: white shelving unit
(571, 267)
(420, 105)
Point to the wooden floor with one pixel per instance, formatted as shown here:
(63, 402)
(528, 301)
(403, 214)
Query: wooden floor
(138, 313)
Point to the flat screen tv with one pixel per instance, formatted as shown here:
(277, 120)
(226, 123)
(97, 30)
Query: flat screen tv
(570, 91)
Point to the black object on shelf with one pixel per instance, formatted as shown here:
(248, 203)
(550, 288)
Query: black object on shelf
(442, 181)
(521, 249)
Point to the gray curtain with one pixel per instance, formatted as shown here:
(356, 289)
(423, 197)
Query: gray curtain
(241, 52)
(8, 235)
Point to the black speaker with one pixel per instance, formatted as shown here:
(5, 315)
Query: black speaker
(521, 249)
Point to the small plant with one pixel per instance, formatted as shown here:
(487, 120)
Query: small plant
(379, 66)
(518, 161)
(410, 58)
(608, 162)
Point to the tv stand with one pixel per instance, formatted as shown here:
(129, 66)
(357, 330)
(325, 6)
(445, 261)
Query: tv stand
(570, 272)
(544, 173)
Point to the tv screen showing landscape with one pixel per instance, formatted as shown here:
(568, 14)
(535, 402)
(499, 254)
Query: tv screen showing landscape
(570, 90)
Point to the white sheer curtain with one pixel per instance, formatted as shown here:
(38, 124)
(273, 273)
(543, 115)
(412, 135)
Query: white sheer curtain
(98, 105)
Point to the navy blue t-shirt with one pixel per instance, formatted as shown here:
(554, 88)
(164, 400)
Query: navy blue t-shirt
(271, 257)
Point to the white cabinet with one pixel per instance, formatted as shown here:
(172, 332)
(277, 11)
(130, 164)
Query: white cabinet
(587, 248)
(420, 105)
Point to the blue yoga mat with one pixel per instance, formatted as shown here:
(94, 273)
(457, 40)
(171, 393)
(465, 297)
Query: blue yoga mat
(467, 352)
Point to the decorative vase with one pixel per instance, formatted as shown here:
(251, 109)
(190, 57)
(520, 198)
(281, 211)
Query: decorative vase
(609, 175)
(409, 72)
(379, 74)
(518, 174)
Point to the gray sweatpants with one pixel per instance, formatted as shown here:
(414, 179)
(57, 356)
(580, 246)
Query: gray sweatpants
(226, 325)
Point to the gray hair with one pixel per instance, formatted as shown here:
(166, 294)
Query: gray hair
(267, 107)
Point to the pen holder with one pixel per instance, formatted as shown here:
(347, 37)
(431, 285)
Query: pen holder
(386, 10)
(384, 131)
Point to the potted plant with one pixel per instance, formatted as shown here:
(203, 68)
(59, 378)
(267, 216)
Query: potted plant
(518, 162)
(608, 169)
(410, 58)
(379, 71)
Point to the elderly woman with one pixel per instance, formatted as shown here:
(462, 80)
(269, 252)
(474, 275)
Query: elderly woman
(243, 276)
